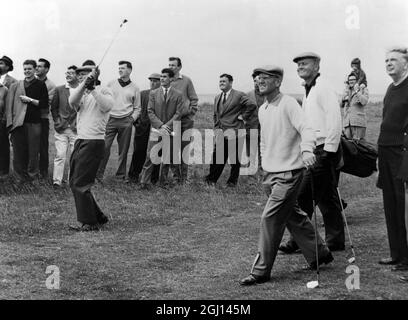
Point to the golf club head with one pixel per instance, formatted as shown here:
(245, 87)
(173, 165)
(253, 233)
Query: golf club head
(312, 284)
(352, 260)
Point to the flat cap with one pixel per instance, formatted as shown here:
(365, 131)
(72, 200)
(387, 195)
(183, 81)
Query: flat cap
(154, 76)
(88, 65)
(269, 69)
(304, 55)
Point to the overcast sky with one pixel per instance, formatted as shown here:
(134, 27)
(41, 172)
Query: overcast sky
(210, 36)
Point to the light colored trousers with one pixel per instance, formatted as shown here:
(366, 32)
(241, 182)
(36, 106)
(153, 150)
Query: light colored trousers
(64, 143)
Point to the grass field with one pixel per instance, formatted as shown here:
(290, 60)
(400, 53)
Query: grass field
(189, 242)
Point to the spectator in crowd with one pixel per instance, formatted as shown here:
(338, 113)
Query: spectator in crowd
(184, 84)
(43, 67)
(393, 159)
(93, 104)
(287, 143)
(165, 110)
(122, 116)
(358, 72)
(64, 123)
(322, 112)
(354, 99)
(25, 101)
(142, 132)
(6, 66)
(231, 109)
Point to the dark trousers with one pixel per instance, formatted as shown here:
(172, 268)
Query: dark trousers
(4, 149)
(282, 210)
(44, 160)
(84, 163)
(122, 128)
(165, 154)
(389, 161)
(26, 146)
(224, 149)
(325, 193)
(185, 146)
(140, 143)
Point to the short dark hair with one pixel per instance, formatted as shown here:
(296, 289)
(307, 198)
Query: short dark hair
(176, 59)
(47, 64)
(228, 76)
(128, 64)
(73, 67)
(31, 62)
(168, 71)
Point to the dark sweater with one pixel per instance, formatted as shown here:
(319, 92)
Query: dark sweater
(36, 90)
(395, 115)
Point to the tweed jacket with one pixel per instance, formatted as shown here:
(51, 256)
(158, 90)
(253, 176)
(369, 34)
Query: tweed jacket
(165, 112)
(63, 115)
(353, 103)
(9, 80)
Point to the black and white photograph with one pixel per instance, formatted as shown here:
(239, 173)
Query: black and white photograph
(212, 151)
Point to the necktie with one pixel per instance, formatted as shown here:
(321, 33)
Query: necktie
(225, 98)
(165, 94)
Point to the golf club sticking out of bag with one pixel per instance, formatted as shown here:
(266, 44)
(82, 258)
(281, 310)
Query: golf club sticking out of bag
(353, 258)
(316, 283)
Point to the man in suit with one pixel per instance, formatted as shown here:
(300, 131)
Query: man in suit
(287, 143)
(393, 159)
(126, 110)
(64, 124)
(142, 132)
(165, 109)
(43, 67)
(184, 84)
(230, 106)
(322, 111)
(6, 65)
(25, 100)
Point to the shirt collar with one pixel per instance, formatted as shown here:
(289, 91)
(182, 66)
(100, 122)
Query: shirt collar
(164, 89)
(227, 93)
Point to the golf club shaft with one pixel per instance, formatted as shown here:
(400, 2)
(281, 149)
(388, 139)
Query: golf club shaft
(345, 222)
(110, 45)
(315, 223)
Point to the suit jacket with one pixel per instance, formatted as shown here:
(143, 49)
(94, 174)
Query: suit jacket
(142, 123)
(253, 122)
(62, 113)
(237, 106)
(165, 112)
(9, 80)
(15, 109)
(353, 103)
(3, 96)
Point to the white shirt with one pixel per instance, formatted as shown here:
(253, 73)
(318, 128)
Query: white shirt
(285, 134)
(323, 114)
(226, 95)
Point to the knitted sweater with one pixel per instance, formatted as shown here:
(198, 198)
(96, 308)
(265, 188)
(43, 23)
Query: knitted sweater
(395, 115)
(127, 100)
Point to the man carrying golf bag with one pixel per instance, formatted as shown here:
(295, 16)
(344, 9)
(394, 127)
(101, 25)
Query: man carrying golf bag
(287, 144)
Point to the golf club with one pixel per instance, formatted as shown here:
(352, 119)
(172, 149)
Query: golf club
(314, 284)
(110, 45)
(353, 258)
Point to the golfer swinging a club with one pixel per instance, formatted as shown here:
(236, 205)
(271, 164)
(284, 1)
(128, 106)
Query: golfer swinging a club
(287, 144)
(92, 104)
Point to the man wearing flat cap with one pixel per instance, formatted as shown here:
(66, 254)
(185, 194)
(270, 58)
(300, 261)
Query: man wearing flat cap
(287, 144)
(93, 104)
(6, 65)
(322, 111)
(142, 132)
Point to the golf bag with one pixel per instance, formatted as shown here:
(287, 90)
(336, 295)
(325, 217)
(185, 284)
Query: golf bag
(359, 157)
